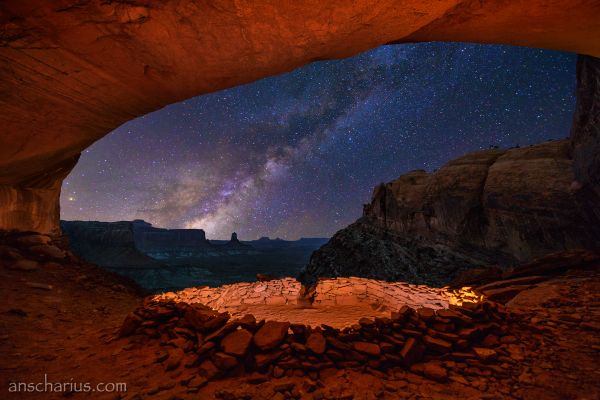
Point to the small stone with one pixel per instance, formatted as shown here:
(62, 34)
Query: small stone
(435, 371)
(437, 345)
(284, 387)
(412, 352)
(208, 369)
(316, 343)
(206, 347)
(130, 324)
(367, 348)
(197, 382)
(174, 360)
(162, 356)
(278, 372)
(237, 342)
(256, 378)
(271, 334)
(248, 321)
(224, 361)
(485, 354)
(9, 253)
(32, 240)
(490, 341)
(36, 285)
(48, 251)
(508, 339)
(278, 396)
(25, 265)
(366, 322)
(426, 314)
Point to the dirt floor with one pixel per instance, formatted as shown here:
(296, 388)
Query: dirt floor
(58, 322)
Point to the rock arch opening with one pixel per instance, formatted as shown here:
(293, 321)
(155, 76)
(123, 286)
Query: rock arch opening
(73, 71)
(88, 68)
(295, 156)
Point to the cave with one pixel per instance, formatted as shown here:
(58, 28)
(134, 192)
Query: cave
(73, 71)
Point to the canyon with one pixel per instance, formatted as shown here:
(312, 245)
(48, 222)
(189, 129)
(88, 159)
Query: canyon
(169, 259)
(502, 244)
(501, 207)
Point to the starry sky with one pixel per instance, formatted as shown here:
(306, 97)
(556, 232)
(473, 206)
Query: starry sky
(297, 155)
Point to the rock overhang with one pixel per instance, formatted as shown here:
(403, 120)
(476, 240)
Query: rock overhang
(71, 71)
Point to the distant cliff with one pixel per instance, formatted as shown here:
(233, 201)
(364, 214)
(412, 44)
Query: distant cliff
(138, 242)
(108, 244)
(166, 244)
(487, 207)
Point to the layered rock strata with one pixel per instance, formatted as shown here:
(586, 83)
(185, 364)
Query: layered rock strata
(490, 207)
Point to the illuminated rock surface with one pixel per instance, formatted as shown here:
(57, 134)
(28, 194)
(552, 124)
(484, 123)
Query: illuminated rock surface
(63, 319)
(72, 71)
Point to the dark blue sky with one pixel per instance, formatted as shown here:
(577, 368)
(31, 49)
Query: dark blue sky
(298, 154)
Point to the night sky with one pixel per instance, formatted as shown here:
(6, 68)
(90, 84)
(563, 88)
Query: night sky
(297, 155)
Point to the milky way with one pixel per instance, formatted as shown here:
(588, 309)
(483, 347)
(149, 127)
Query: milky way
(298, 154)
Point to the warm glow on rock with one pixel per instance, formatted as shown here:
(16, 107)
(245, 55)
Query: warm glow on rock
(336, 302)
(466, 294)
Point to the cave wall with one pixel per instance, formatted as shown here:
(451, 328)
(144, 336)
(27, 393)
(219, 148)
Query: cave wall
(72, 71)
(32, 204)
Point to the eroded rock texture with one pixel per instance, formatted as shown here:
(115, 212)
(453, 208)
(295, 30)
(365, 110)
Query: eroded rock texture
(488, 207)
(585, 133)
(72, 71)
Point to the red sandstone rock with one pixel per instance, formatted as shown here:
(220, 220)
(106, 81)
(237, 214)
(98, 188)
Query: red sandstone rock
(264, 359)
(236, 343)
(174, 360)
(437, 345)
(485, 354)
(271, 334)
(48, 251)
(25, 265)
(427, 314)
(366, 322)
(224, 361)
(435, 370)
(208, 369)
(33, 240)
(248, 321)
(316, 343)
(371, 349)
(412, 352)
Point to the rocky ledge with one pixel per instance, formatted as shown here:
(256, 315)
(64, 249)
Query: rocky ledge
(489, 207)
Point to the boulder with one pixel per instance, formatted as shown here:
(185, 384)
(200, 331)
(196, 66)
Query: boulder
(434, 370)
(316, 343)
(48, 251)
(271, 334)
(33, 240)
(25, 265)
(437, 345)
(236, 343)
(371, 349)
(224, 361)
(412, 352)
